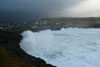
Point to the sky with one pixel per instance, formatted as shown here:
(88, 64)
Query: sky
(51, 8)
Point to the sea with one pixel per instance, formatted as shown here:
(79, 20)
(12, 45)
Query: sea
(70, 47)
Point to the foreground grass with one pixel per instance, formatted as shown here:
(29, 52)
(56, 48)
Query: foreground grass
(8, 59)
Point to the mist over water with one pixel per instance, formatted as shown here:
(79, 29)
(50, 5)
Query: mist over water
(71, 47)
(36, 43)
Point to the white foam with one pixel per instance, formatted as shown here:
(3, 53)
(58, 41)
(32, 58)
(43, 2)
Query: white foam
(71, 47)
(36, 43)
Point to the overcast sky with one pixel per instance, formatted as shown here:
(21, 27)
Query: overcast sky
(54, 8)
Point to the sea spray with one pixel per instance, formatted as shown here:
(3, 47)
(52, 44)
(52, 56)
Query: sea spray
(71, 47)
(36, 43)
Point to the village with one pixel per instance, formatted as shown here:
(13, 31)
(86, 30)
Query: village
(21, 26)
(53, 24)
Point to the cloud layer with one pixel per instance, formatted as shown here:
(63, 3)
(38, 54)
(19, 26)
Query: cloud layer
(54, 8)
(86, 8)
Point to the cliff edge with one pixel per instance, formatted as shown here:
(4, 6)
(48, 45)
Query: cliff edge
(11, 55)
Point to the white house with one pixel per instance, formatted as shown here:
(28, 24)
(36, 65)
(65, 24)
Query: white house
(1, 28)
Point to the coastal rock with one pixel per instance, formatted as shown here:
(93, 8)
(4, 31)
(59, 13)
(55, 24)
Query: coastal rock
(9, 48)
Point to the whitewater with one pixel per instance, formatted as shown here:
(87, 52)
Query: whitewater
(70, 47)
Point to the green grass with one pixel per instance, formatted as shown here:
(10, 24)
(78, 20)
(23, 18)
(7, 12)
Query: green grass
(6, 60)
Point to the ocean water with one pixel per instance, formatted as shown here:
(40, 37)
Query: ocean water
(71, 47)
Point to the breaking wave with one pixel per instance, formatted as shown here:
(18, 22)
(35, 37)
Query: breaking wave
(71, 47)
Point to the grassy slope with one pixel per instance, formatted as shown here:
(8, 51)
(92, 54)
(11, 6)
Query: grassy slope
(8, 59)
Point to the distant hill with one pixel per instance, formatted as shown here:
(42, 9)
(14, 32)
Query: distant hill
(21, 16)
(53, 24)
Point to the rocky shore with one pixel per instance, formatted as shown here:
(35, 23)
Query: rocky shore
(11, 55)
(10, 38)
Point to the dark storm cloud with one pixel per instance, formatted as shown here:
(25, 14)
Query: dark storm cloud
(52, 8)
(46, 8)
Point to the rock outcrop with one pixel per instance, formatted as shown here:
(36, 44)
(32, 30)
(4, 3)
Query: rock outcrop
(11, 55)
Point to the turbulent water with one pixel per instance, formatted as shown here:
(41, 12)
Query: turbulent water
(71, 47)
